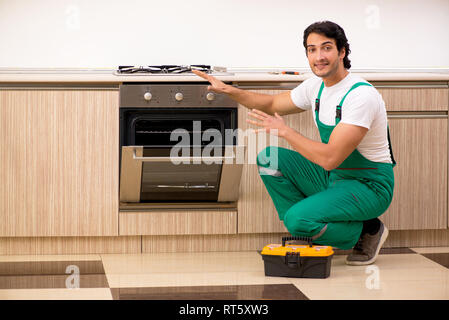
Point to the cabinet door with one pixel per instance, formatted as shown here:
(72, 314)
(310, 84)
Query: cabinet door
(59, 162)
(420, 194)
(414, 96)
(256, 212)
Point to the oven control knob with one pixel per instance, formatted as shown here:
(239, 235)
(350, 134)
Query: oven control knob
(210, 96)
(179, 96)
(147, 96)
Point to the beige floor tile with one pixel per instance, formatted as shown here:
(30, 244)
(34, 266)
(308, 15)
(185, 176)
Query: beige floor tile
(73, 257)
(400, 276)
(186, 269)
(431, 250)
(412, 290)
(57, 294)
(191, 279)
(187, 262)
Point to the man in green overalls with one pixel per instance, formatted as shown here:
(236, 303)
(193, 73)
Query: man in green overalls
(332, 191)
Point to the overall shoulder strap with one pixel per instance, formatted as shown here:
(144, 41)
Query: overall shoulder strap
(338, 109)
(389, 146)
(317, 100)
(356, 85)
(338, 116)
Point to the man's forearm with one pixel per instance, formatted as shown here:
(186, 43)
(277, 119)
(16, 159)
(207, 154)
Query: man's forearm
(251, 100)
(317, 152)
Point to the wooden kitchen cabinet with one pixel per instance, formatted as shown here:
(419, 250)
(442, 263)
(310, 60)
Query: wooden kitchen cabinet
(414, 96)
(59, 162)
(419, 137)
(178, 222)
(420, 194)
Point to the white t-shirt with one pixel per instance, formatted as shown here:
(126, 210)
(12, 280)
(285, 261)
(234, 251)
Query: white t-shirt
(363, 107)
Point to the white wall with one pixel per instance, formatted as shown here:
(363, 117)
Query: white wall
(232, 33)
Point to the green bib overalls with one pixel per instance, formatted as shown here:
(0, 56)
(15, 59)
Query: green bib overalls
(329, 206)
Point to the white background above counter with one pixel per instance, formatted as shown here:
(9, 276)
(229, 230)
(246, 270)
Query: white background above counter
(233, 33)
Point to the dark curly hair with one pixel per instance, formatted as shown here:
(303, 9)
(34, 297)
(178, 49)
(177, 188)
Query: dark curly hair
(333, 31)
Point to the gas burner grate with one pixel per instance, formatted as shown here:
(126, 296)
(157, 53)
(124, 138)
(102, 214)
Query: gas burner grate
(164, 69)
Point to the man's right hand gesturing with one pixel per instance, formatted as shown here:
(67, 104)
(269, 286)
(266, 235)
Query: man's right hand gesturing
(217, 86)
(270, 104)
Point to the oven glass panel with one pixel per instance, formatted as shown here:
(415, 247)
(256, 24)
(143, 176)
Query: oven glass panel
(162, 181)
(167, 181)
(153, 127)
(157, 132)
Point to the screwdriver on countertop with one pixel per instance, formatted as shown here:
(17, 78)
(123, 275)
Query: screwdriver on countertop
(290, 72)
(285, 72)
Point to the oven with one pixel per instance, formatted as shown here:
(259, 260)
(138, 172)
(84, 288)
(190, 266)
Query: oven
(178, 146)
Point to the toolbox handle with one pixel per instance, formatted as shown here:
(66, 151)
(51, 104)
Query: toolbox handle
(308, 239)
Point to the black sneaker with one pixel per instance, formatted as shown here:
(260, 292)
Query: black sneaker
(367, 248)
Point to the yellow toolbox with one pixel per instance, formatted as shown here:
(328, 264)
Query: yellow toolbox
(297, 261)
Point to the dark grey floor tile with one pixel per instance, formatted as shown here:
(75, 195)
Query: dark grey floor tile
(396, 250)
(240, 292)
(52, 274)
(441, 258)
(50, 267)
(53, 281)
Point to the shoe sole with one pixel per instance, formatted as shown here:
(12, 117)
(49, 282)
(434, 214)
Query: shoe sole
(373, 259)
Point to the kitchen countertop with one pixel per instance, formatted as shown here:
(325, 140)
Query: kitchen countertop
(107, 76)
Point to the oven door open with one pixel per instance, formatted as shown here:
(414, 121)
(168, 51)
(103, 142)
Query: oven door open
(179, 155)
(152, 175)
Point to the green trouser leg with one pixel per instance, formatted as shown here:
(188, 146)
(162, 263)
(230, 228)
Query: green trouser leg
(294, 178)
(313, 205)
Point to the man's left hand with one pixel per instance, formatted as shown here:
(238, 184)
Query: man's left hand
(270, 124)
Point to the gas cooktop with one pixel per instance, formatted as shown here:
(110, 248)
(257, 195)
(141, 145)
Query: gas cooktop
(167, 70)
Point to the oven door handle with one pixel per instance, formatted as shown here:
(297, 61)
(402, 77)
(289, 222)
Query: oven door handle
(181, 159)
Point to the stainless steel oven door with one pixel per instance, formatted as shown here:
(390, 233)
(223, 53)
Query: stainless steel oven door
(171, 179)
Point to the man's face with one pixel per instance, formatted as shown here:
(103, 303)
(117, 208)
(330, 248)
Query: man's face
(323, 55)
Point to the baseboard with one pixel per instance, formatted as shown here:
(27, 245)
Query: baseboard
(189, 243)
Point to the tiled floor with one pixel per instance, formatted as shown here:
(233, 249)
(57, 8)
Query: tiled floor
(404, 273)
